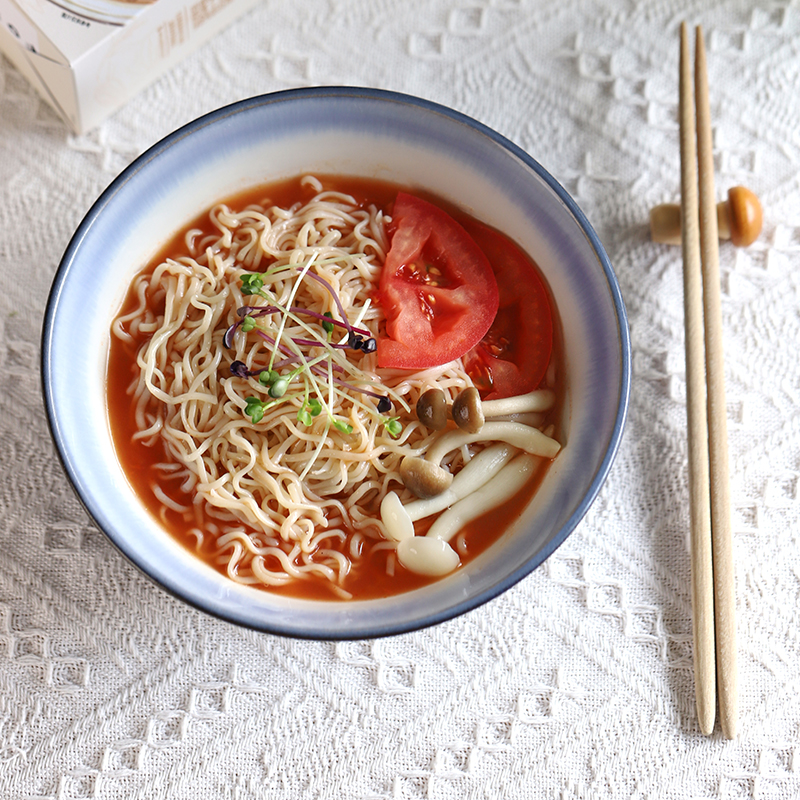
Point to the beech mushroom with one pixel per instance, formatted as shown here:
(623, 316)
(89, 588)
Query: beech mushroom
(472, 476)
(424, 556)
(467, 411)
(739, 218)
(496, 491)
(432, 409)
(470, 413)
(399, 519)
(424, 478)
(398, 524)
(531, 440)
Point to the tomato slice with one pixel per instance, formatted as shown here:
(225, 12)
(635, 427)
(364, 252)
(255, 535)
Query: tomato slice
(513, 356)
(437, 289)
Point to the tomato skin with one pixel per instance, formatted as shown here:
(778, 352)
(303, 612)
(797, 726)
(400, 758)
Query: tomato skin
(437, 289)
(514, 355)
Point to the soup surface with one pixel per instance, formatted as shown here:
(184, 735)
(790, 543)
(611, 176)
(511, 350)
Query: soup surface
(265, 376)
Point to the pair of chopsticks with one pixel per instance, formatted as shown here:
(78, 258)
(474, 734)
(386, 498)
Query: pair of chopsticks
(713, 596)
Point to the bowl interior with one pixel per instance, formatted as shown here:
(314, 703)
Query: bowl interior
(348, 132)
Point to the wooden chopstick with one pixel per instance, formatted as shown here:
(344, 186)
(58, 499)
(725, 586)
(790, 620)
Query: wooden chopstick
(699, 482)
(721, 537)
(713, 596)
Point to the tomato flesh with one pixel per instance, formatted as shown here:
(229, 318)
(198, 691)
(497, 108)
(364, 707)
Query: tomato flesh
(513, 356)
(437, 289)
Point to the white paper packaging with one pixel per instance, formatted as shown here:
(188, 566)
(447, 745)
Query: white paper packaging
(86, 58)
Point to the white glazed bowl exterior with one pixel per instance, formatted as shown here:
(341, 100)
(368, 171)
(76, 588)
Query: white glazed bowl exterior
(354, 132)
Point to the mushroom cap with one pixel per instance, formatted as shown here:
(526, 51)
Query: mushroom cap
(424, 478)
(467, 410)
(746, 216)
(432, 409)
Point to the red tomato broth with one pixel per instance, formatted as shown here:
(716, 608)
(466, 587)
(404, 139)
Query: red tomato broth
(368, 577)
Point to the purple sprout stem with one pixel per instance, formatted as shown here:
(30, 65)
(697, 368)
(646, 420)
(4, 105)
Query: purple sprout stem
(293, 359)
(261, 311)
(360, 389)
(335, 297)
(312, 343)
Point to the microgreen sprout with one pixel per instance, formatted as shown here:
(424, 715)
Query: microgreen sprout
(276, 383)
(393, 427)
(341, 425)
(267, 377)
(253, 283)
(279, 388)
(248, 323)
(290, 353)
(255, 408)
(311, 408)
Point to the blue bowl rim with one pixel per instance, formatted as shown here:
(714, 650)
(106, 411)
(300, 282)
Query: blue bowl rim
(349, 92)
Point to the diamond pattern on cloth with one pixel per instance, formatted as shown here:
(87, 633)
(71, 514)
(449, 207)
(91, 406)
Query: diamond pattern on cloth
(577, 683)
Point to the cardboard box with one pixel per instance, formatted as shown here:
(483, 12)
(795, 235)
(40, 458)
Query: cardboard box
(86, 58)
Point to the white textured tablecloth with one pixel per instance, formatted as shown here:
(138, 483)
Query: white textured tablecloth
(578, 682)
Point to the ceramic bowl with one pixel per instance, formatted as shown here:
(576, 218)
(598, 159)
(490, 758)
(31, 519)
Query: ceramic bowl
(355, 132)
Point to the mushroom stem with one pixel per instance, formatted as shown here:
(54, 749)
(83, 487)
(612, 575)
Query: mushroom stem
(398, 519)
(472, 476)
(531, 440)
(432, 557)
(534, 419)
(501, 488)
(470, 413)
(395, 519)
(538, 400)
(739, 218)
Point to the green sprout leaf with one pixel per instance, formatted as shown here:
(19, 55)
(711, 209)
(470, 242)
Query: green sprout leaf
(248, 323)
(255, 408)
(267, 377)
(393, 427)
(314, 406)
(279, 388)
(341, 425)
(252, 283)
(328, 326)
(310, 409)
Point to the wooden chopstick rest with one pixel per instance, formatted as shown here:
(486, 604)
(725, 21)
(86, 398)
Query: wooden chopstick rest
(739, 218)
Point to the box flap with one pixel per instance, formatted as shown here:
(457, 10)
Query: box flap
(24, 31)
(73, 27)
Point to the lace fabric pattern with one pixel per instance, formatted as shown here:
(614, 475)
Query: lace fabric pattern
(577, 683)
